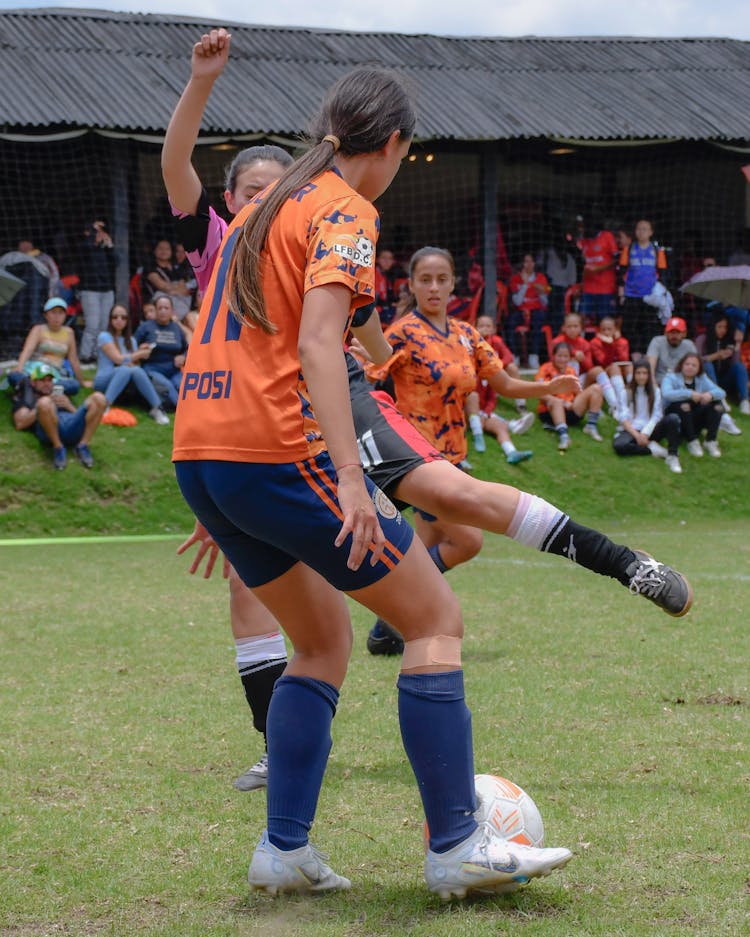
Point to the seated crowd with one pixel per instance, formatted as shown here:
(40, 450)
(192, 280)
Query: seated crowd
(616, 331)
(660, 387)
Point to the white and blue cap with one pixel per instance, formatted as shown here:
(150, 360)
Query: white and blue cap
(55, 303)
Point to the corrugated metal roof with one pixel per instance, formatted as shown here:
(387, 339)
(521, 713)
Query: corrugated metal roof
(62, 68)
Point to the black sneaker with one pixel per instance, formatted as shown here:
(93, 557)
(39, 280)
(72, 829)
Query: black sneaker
(661, 584)
(383, 639)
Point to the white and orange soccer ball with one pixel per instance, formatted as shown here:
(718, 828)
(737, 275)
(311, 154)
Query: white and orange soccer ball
(508, 809)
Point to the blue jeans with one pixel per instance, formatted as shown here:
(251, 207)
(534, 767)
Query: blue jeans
(164, 382)
(597, 305)
(735, 378)
(114, 383)
(70, 426)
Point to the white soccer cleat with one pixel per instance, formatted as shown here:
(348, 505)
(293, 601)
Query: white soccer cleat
(521, 424)
(302, 870)
(485, 863)
(673, 464)
(694, 448)
(255, 777)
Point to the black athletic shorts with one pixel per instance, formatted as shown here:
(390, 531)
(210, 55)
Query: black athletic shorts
(571, 418)
(389, 445)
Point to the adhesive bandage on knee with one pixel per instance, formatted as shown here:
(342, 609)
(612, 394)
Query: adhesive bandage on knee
(535, 522)
(438, 650)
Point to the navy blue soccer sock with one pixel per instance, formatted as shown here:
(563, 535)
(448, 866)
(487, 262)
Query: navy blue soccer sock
(436, 732)
(436, 558)
(299, 740)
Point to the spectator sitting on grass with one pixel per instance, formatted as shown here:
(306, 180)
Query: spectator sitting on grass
(118, 366)
(168, 345)
(564, 410)
(722, 362)
(611, 352)
(487, 328)
(54, 418)
(480, 410)
(697, 401)
(581, 359)
(52, 343)
(664, 351)
(644, 423)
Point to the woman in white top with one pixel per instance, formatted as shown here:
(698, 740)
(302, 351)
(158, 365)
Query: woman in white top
(645, 424)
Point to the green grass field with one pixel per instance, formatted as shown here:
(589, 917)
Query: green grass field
(123, 724)
(123, 721)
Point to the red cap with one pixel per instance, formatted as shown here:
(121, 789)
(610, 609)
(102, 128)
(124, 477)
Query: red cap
(675, 324)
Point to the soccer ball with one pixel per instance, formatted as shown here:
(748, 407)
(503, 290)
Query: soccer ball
(508, 809)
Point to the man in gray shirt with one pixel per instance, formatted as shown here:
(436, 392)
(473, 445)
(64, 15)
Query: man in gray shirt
(664, 351)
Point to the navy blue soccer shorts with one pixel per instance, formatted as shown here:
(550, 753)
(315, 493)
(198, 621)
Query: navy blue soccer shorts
(267, 517)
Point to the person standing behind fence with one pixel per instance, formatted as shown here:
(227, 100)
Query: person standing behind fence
(643, 264)
(600, 253)
(97, 284)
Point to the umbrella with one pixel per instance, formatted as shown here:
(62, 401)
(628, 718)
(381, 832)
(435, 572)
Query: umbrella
(727, 285)
(10, 284)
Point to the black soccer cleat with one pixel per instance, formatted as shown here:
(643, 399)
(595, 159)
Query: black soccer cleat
(383, 639)
(661, 584)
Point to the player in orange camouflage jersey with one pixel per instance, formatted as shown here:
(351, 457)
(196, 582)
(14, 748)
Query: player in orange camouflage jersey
(267, 458)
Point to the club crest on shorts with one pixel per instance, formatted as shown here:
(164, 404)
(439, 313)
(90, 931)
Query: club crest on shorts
(384, 506)
(356, 250)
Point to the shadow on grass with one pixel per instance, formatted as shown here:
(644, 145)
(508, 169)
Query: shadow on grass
(372, 908)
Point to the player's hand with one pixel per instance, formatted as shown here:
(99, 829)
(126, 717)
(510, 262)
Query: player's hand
(360, 518)
(565, 384)
(210, 54)
(207, 546)
(358, 350)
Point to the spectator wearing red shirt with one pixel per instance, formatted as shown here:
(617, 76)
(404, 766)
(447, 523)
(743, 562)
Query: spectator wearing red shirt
(611, 352)
(580, 350)
(600, 256)
(480, 405)
(529, 291)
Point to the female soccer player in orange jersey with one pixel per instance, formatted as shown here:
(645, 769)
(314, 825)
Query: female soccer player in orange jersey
(398, 459)
(267, 458)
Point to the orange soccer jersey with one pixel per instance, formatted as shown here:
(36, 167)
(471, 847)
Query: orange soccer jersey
(243, 397)
(548, 372)
(433, 371)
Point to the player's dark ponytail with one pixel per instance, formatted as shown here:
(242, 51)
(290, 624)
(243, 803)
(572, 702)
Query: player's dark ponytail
(360, 113)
